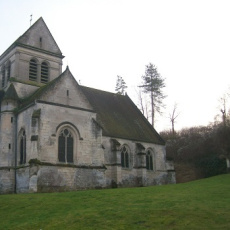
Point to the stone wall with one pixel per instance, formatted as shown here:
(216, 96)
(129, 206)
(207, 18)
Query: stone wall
(6, 180)
(136, 174)
(7, 139)
(56, 178)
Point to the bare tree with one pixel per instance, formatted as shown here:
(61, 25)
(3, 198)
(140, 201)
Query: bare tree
(223, 101)
(143, 103)
(173, 117)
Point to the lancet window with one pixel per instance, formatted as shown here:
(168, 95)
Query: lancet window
(149, 160)
(65, 146)
(125, 157)
(22, 147)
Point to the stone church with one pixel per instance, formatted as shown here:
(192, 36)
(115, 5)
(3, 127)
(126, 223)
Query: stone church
(57, 135)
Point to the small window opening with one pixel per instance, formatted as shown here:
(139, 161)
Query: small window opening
(40, 42)
(9, 146)
(8, 71)
(67, 92)
(12, 119)
(3, 76)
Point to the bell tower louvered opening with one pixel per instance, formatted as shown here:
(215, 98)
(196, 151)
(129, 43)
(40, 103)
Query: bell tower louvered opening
(33, 70)
(44, 72)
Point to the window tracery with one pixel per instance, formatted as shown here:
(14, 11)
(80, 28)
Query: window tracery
(125, 157)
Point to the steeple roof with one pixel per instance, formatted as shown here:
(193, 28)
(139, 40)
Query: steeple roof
(38, 37)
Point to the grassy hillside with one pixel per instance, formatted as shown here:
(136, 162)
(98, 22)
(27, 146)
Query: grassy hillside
(202, 204)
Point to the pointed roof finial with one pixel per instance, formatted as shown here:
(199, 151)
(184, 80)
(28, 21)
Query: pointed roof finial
(31, 19)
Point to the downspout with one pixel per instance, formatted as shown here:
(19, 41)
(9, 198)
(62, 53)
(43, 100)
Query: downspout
(15, 152)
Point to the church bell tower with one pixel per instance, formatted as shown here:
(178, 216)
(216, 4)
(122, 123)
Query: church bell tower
(34, 58)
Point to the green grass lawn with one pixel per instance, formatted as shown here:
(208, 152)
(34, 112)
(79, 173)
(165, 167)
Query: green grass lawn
(202, 204)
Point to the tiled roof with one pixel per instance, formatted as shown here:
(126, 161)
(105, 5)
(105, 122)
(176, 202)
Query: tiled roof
(120, 118)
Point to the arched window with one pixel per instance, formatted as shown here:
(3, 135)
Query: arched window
(22, 147)
(65, 146)
(124, 157)
(8, 69)
(3, 76)
(149, 160)
(44, 72)
(33, 70)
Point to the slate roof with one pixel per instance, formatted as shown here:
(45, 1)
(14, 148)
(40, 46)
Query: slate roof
(120, 118)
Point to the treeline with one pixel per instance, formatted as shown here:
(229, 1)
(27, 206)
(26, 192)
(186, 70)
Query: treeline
(201, 151)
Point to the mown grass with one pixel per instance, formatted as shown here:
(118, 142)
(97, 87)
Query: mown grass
(202, 204)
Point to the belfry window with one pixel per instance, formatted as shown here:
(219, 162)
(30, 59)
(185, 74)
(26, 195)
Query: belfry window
(22, 147)
(124, 157)
(3, 76)
(33, 70)
(149, 160)
(44, 72)
(65, 146)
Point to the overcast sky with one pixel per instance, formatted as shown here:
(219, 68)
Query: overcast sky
(188, 41)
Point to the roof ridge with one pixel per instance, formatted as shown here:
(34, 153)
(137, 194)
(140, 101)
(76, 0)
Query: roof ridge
(101, 90)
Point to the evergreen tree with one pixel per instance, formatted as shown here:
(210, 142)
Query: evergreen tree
(153, 84)
(120, 85)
